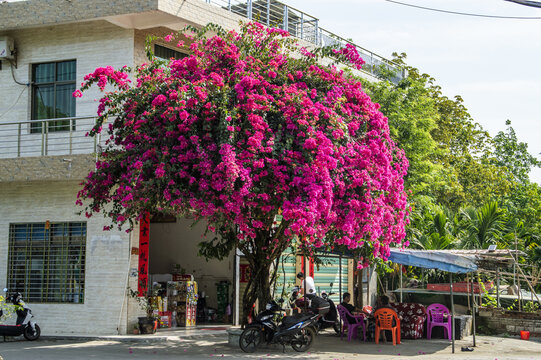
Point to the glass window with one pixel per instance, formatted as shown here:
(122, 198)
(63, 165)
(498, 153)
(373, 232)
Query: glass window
(52, 87)
(46, 262)
(165, 53)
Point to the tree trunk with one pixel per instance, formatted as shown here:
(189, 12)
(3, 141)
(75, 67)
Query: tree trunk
(258, 287)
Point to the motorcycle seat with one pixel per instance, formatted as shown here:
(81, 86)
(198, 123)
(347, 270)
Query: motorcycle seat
(288, 321)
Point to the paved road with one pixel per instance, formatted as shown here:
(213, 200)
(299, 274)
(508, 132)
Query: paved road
(327, 347)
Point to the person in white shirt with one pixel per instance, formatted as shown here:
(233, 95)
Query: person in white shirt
(308, 282)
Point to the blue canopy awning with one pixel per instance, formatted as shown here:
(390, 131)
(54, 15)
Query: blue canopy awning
(434, 259)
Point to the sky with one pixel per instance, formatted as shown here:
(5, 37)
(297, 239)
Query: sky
(493, 64)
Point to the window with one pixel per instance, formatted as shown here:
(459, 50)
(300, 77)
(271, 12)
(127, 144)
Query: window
(53, 84)
(165, 53)
(46, 261)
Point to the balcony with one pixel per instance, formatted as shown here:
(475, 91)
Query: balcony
(49, 137)
(306, 27)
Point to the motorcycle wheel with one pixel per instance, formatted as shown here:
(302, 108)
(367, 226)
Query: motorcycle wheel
(336, 327)
(302, 341)
(250, 339)
(32, 335)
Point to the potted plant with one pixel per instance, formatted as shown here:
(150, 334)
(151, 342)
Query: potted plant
(147, 324)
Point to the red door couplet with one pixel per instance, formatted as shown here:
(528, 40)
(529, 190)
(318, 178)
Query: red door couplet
(144, 237)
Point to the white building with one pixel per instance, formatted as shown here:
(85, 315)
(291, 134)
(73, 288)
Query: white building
(72, 273)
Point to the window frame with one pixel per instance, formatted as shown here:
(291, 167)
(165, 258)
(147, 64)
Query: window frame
(175, 51)
(49, 260)
(53, 126)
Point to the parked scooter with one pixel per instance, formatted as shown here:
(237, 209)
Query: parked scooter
(24, 325)
(331, 318)
(297, 330)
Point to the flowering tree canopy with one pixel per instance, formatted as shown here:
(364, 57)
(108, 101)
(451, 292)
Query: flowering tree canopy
(248, 127)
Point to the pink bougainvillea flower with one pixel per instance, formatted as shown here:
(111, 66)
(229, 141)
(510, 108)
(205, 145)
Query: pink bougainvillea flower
(246, 128)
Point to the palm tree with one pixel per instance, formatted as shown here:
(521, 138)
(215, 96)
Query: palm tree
(483, 226)
(437, 232)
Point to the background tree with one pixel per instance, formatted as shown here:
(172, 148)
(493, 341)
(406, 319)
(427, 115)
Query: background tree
(252, 135)
(484, 226)
(434, 229)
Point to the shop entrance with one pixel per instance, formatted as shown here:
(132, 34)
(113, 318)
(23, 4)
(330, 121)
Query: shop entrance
(192, 291)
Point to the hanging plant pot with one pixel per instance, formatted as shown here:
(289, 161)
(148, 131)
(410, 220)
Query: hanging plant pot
(148, 325)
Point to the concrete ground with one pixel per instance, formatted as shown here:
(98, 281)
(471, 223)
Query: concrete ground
(209, 344)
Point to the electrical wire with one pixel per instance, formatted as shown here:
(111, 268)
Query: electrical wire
(535, 4)
(20, 94)
(13, 75)
(465, 14)
(14, 104)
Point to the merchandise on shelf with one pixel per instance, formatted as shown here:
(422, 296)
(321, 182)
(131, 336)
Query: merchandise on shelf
(182, 302)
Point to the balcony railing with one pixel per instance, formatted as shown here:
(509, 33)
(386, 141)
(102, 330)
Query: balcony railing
(48, 137)
(304, 26)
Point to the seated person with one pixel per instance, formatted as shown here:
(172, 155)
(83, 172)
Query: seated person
(381, 303)
(346, 298)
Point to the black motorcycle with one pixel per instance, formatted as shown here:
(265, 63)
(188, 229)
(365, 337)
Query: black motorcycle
(296, 330)
(24, 325)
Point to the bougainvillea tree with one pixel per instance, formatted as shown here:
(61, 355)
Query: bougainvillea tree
(252, 134)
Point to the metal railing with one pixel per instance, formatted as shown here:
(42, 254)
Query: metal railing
(303, 26)
(64, 136)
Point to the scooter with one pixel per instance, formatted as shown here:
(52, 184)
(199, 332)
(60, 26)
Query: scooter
(296, 330)
(24, 325)
(331, 318)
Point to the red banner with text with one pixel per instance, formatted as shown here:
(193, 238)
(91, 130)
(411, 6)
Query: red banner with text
(144, 237)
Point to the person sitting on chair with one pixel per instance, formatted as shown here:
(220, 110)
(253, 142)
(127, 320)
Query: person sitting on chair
(383, 303)
(346, 298)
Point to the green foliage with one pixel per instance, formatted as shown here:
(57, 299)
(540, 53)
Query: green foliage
(484, 226)
(7, 309)
(434, 229)
(513, 155)
(146, 302)
(530, 306)
(487, 299)
(412, 115)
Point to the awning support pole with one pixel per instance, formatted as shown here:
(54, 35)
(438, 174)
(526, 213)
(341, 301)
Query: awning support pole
(473, 308)
(401, 283)
(452, 310)
(339, 277)
(497, 287)
(237, 288)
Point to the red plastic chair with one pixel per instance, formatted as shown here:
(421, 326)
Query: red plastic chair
(352, 328)
(384, 321)
(437, 314)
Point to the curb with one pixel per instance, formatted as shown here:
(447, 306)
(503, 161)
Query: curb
(137, 339)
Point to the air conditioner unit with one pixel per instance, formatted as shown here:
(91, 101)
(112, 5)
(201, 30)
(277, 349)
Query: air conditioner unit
(7, 48)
